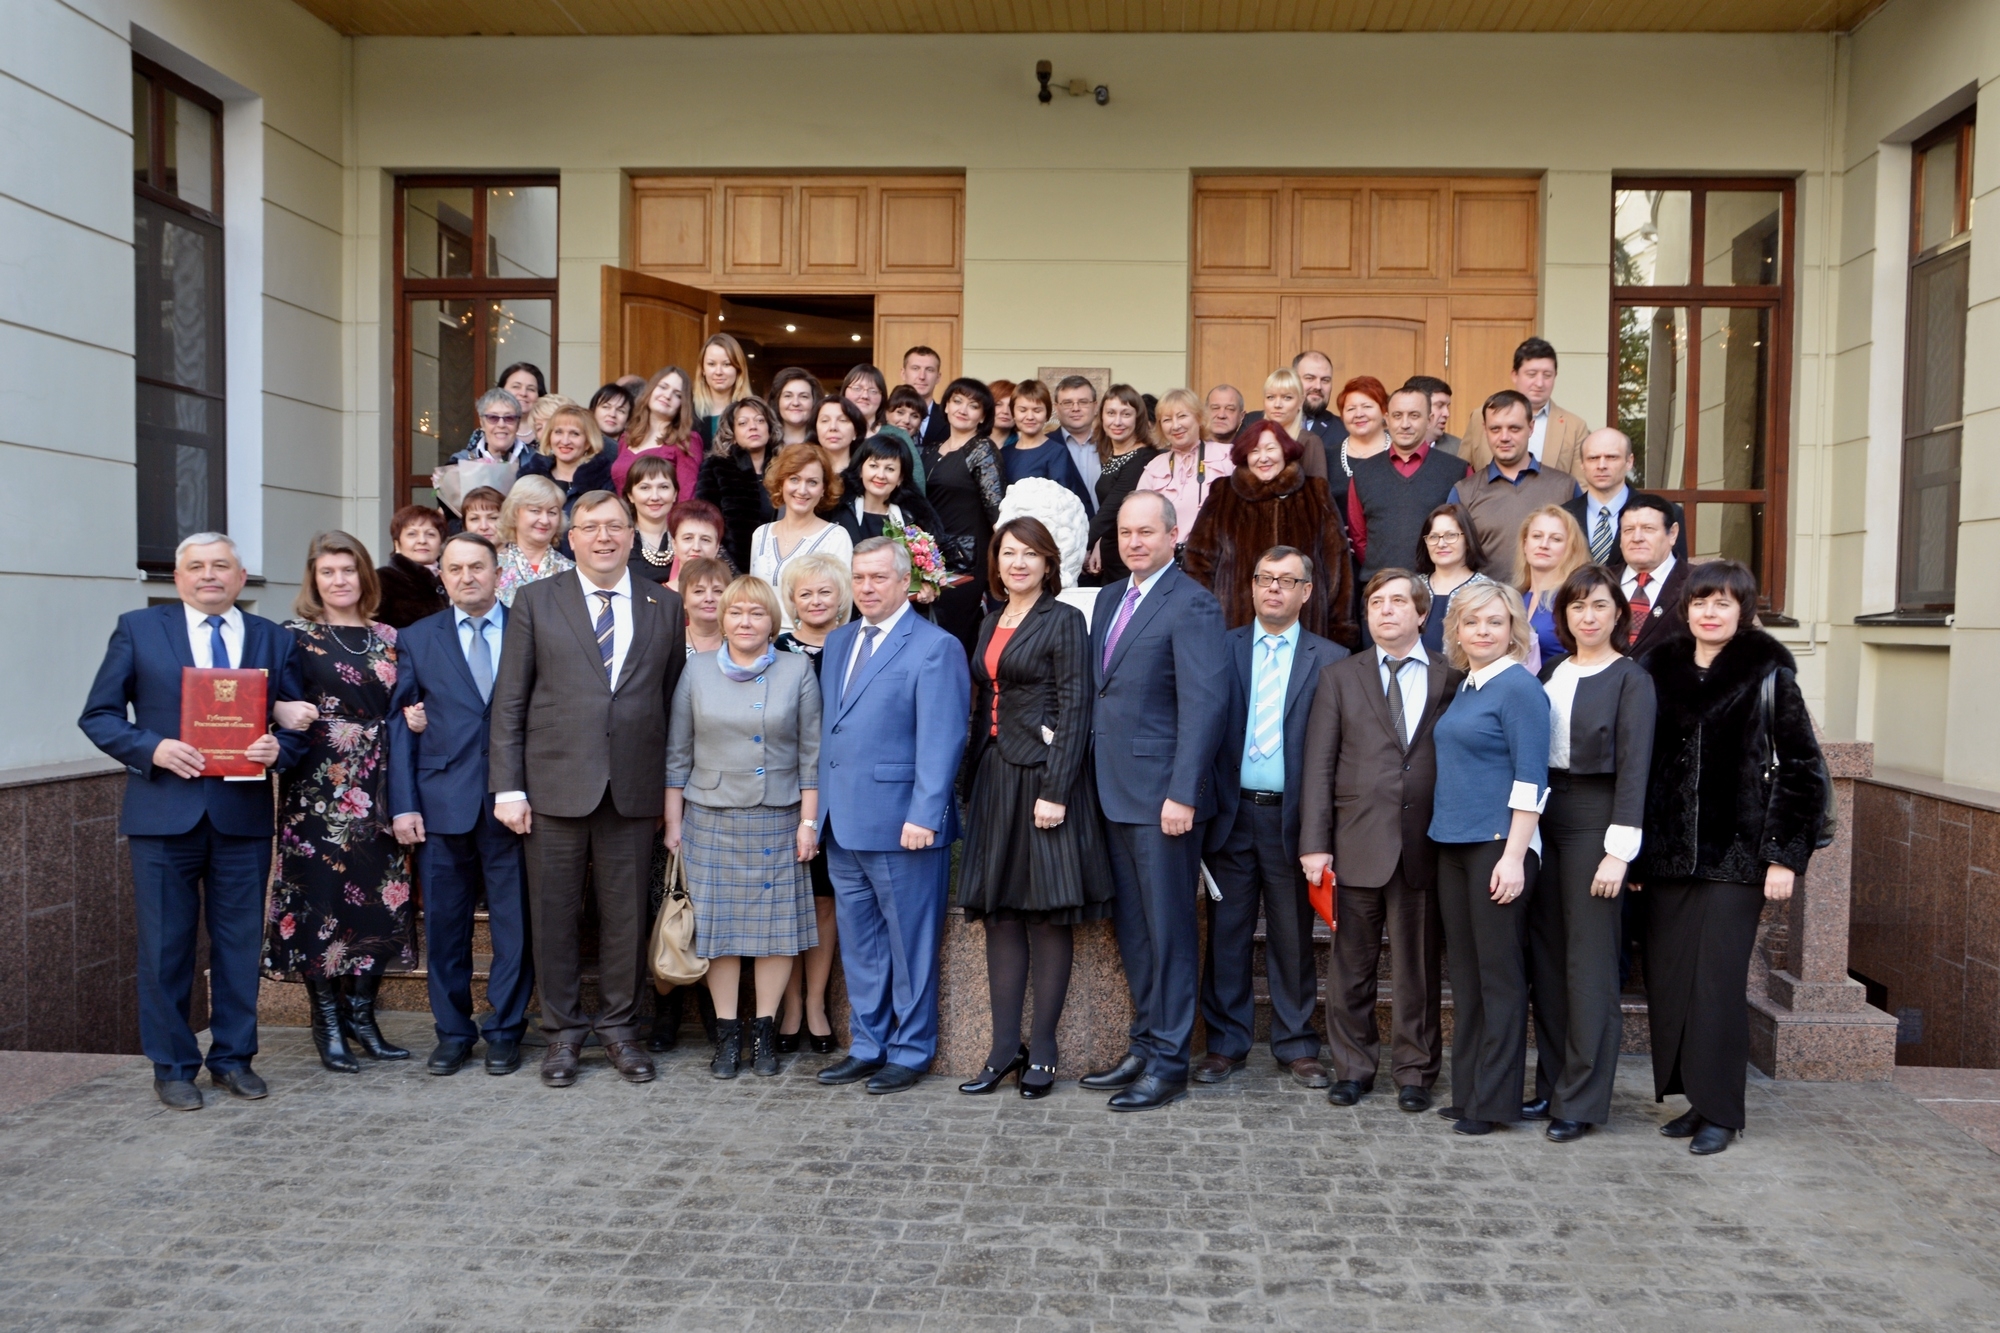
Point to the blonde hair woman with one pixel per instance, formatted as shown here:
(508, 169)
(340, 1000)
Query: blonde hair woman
(1285, 404)
(1493, 773)
(531, 522)
(535, 420)
(572, 452)
(1192, 463)
(721, 376)
(1549, 548)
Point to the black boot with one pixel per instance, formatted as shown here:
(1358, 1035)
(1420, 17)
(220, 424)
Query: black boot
(668, 1011)
(328, 1039)
(357, 1018)
(764, 1046)
(728, 1061)
(704, 1004)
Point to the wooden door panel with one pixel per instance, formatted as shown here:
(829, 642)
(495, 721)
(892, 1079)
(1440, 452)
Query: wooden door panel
(1493, 234)
(1403, 233)
(1484, 333)
(833, 229)
(1326, 234)
(757, 229)
(671, 229)
(912, 319)
(1235, 349)
(1235, 233)
(920, 231)
(649, 322)
(1390, 349)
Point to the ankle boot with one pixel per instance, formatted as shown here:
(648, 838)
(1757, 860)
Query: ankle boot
(328, 1039)
(357, 1014)
(728, 1059)
(668, 1011)
(764, 1046)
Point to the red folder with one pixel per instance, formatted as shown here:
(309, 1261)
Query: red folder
(222, 714)
(1325, 899)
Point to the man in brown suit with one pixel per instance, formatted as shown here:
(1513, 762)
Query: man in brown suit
(1555, 435)
(579, 767)
(1370, 770)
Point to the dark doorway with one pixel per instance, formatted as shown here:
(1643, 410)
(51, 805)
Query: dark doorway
(827, 335)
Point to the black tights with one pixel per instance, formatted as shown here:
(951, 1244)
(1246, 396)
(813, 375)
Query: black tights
(1009, 947)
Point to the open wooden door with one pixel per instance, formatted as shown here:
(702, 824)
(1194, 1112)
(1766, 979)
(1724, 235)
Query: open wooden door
(650, 323)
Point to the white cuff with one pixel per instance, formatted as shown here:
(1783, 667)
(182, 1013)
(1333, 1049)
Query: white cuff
(1622, 841)
(1527, 796)
(501, 798)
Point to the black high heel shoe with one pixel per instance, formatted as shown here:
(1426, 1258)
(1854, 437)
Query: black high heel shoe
(990, 1078)
(1036, 1091)
(821, 1045)
(788, 1042)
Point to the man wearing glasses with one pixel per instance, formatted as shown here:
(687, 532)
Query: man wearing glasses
(588, 669)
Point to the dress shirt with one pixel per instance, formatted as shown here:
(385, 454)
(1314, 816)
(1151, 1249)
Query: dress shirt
(1084, 454)
(198, 636)
(1415, 684)
(887, 623)
(1523, 795)
(1592, 507)
(496, 625)
(621, 616)
(1145, 587)
(1540, 433)
(1266, 773)
(1655, 579)
(1186, 482)
(1620, 840)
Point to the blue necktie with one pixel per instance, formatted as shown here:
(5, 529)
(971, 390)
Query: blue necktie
(606, 625)
(1267, 730)
(218, 649)
(869, 634)
(480, 658)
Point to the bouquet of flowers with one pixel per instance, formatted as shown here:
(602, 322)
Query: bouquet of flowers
(927, 567)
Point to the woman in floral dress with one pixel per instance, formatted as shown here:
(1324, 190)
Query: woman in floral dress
(340, 905)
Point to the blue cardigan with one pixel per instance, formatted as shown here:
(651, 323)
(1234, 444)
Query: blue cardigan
(1491, 737)
(1049, 459)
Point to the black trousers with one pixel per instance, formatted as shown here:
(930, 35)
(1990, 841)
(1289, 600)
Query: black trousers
(1486, 943)
(1698, 945)
(1573, 954)
(1153, 914)
(1416, 983)
(457, 867)
(1253, 872)
(618, 852)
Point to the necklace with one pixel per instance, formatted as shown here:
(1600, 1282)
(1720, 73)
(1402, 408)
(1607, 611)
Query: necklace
(663, 556)
(367, 637)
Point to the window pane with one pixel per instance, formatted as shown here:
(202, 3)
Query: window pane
(179, 291)
(1652, 391)
(1740, 237)
(518, 331)
(180, 469)
(521, 232)
(444, 382)
(142, 128)
(1735, 390)
(1937, 208)
(1730, 532)
(1934, 393)
(1652, 231)
(189, 134)
(437, 232)
(1928, 566)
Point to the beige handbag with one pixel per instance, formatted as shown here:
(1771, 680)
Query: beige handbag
(672, 953)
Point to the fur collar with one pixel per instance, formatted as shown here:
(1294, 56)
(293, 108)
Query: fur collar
(1289, 479)
(1737, 671)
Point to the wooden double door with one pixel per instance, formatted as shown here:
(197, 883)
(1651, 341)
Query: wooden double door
(1388, 276)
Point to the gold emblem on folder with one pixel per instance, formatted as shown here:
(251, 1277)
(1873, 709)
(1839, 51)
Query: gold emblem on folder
(225, 691)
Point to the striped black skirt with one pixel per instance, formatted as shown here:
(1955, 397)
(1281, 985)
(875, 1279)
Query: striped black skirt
(1011, 869)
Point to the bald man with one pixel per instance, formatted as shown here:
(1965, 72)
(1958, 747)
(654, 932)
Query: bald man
(1605, 462)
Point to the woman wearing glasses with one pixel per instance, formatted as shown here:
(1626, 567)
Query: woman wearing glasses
(1447, 561)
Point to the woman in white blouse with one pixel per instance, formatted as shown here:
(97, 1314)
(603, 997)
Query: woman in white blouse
(802, 483)
(1601, 710)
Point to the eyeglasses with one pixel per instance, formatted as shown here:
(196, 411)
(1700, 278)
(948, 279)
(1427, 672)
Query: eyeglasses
(501, 421)
(1285, 581)
(611, 529)
(1443, 538)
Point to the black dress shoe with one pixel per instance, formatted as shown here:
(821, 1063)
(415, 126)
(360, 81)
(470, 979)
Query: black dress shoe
(990, 1078)
(893, 1078)
(1346, 1092)
(450, 1056)
(1412, 1098)
(1535, 1110)
(1473, 1127)
(503, 1055)
(1035, 1089)
(177, 1094)
(241, 1082)
(1710, 1139)
(1683, 1126)
(851, 1069)
(1566, 1131)
(1121, 1075)
(1452, 1112)
(1149, 1093)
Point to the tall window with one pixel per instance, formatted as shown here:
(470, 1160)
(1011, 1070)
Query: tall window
(1934, 369)
(177, 242)
(1701, 312)
(475, 293)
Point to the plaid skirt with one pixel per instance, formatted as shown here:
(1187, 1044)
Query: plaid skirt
(752, 898)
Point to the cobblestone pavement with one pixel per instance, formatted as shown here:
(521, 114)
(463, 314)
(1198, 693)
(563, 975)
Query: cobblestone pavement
(396, 1200)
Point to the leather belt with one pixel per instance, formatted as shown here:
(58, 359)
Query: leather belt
(1263, 797)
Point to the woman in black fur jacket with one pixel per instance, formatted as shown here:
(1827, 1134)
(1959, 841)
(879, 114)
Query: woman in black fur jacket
(732, 476)
(1724, 834)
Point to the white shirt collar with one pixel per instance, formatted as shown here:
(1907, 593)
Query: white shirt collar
(622, 588)
(496, 615)
(1477, 680)
(893, 619)
(1543, 414)
(198, 618)
(1145, 586)
(1416, 654)
(1290, 633)
(1616, 504)
(1654, 577)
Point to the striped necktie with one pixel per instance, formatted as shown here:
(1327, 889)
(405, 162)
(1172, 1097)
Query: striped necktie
(1641, 604)
(606, 627)
(1601, 539)
(1267, 732)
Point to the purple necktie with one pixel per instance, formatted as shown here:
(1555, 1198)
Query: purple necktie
(1125, 609)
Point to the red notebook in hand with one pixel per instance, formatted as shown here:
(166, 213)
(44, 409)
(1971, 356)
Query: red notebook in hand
(222, 715)
(1325, 899)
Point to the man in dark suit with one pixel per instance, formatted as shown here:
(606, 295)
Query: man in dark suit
(1606, 462)
(1253, 841)
(1648, 530)
(1370, 770)
(438, 789)
(1157, 660)
(588, 668)
(922, 369)
(200, 846)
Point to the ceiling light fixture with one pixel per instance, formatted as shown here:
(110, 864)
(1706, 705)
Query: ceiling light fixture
(791, 328)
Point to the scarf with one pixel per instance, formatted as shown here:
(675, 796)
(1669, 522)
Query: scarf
(741, 674)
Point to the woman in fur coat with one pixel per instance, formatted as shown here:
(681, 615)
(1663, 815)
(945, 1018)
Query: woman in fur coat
(1268, 501)
(1725, 832)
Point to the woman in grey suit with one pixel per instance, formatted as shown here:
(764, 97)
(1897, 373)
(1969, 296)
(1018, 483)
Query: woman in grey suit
(742, 796)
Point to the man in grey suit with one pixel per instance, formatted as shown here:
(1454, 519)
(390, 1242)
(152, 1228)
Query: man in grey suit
(579, 768)
(1157, 659)
(1370, 771)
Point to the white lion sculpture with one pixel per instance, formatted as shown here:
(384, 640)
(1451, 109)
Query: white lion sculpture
(1059, 511)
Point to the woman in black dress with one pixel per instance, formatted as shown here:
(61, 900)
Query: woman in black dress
(1035, 859)
(340, 902)
(732, 476)
(964, 483)
(876, 489)
(1125, 444)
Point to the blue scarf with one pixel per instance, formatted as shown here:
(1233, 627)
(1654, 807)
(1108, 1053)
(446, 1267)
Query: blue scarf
(741, 674)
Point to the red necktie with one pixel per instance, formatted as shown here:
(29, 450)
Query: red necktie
(1642, 605)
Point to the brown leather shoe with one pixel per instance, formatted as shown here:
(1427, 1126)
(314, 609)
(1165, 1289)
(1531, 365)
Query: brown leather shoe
(1214, 1068)
(629, 1058)
(1309, 1072)
(560, 1062)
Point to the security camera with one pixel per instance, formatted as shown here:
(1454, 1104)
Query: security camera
(1102, 93)
(1043, 72)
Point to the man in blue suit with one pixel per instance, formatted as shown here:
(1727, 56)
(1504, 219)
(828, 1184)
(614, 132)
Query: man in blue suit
(898, 696)
(193, 837)
(437, 787)
(1156, 654)
(1253, 842)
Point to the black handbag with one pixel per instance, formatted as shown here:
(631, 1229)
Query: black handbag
(1767, 712)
